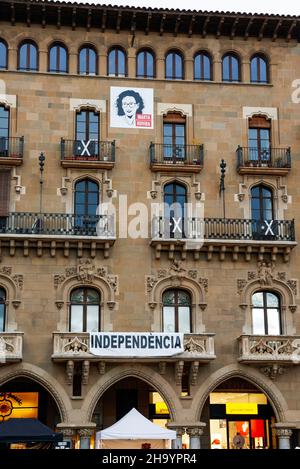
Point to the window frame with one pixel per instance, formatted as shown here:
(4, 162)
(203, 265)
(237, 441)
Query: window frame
(117, 74)
(259, 57)
(2, 41)
(203, 53)
(174, 53)
(87, 123)
(265, 311)
(28, 43)
(176, 308)
(87, 60)
(4, 303)
(145, 51)
(84, 305)
(261, 201)
(231, 55)
(58, 45)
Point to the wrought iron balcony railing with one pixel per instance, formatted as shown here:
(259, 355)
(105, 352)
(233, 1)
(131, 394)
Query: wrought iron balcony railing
(269, 348)
(263, 157)
(87, 150)
(222, 228)
(161, 153)
(11, 147)
(58, 224)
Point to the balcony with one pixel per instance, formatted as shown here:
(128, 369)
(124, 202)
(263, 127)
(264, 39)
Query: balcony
(87, 154)
(11, 151)
(275, 161)
(57, 230)
(11, 347)
(76, 346)
(223, 236)
(268, 349)
(183, 158)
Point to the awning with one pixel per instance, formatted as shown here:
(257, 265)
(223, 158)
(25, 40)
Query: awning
(27, 430)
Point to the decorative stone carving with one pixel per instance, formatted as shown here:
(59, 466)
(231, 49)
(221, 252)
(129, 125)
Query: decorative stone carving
(283, 432)
(113, 282)
(241, 284)
(204, 283)
(67, 432)
(85, 371)
(179, 371)
(176, 267)
(76, 346)
(17, 278)
(101, 368)
(5, 347)
(194, 372)
(59, 304)
(85, 432)
(265, 272)
(151, 281)
(85, 271)
(281, 276)
(194, 346)
(272, 371)
(252, 275)
(293, 286)
(194, 431)
(69, 371)
(193, 274)
(162, 366)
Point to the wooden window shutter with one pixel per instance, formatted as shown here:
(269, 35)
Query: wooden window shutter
(259, 122)
(4, 192)
(174, 117)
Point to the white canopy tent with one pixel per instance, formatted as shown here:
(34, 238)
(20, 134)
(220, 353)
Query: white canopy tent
(132, 431)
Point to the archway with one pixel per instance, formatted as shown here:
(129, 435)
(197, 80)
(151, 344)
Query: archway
(238, 415)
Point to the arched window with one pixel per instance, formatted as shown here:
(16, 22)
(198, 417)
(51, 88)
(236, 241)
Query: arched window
(28, 56)
(3, 55)
(259, 70)
(84, 310)
(259, 140)
(174, 65)
(175, 199)
(87, 134)
(58, 58)
(117, 62)
(145, 67)
(202, 66)
(230, 68)
(2, 309)
(174, 126)
(266, 318)
(261, 203)
(85, 206)
(87, 61)
(177, 311)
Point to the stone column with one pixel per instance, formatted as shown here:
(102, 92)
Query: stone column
(160, 68)
(189, 69)
(284, 435)
(245, 72)
(217, 67)
(195, 431)
(73, 64)
(177, 444)
(131, 66)
(12, 58)
(43, 60)
(85, 437)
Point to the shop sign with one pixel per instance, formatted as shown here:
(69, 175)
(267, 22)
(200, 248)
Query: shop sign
(136, 344)
(243, 408)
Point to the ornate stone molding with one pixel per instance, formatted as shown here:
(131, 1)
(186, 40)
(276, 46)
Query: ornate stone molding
(17, 279)
(85, 432)
(69, 371)
(179, 371)
(272, 371)
(195, 430)
(85, 371)
(283, 432)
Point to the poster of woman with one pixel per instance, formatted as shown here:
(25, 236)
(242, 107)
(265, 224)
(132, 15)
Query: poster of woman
(131, 108)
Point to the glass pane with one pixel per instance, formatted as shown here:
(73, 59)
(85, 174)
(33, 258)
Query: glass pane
(92, 296)
(92, 320)
(169, 61)
(2, 317)
(23, 56)
(169, 297)
(184, 324)
(235, 68)
(52, 59)
(183, 298)
(206, 66)
(80, 186)
(178, 66)
(112, 62)
(76, 323)
(121, 63)
(93, 198)
(150, 65)
(2, 294)
(3, 55)
(33, 57)
(180, 130)
(273, 321)
(140, 64)
(258, 299)
(169, 319)
(255, 191)
(92, 186)
(63, 60)
(272, 300)
(197, 67)
(82, 61)
(258, 323)
(225, 68)
(263, 70)
(79, 197)
(253, 71)
(92, 61)
(77, 296)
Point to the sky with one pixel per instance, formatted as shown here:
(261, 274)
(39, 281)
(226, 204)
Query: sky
(286, 7)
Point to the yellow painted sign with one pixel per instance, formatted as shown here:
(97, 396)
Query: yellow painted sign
(241, 408)
(161, 408)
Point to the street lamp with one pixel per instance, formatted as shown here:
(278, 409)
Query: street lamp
(41, 163)
(222, 183)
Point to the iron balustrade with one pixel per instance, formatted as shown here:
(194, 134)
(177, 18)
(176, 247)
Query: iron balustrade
(263, 157)
(161, 153)
(88, 150)
(11, 147)
(57, 224)
(223, 228)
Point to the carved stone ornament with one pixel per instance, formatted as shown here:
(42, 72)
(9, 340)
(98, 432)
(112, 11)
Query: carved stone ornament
(76, 346)
(85, 271)
(241, 285)
(17, 278)
(85, 432)
(265, 272)
(272, 371)
(194, 431)
(175, 271)
(194, 346)
(5, 347)
(283, 432)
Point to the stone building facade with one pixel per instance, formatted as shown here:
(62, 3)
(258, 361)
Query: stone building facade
(224, 88)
